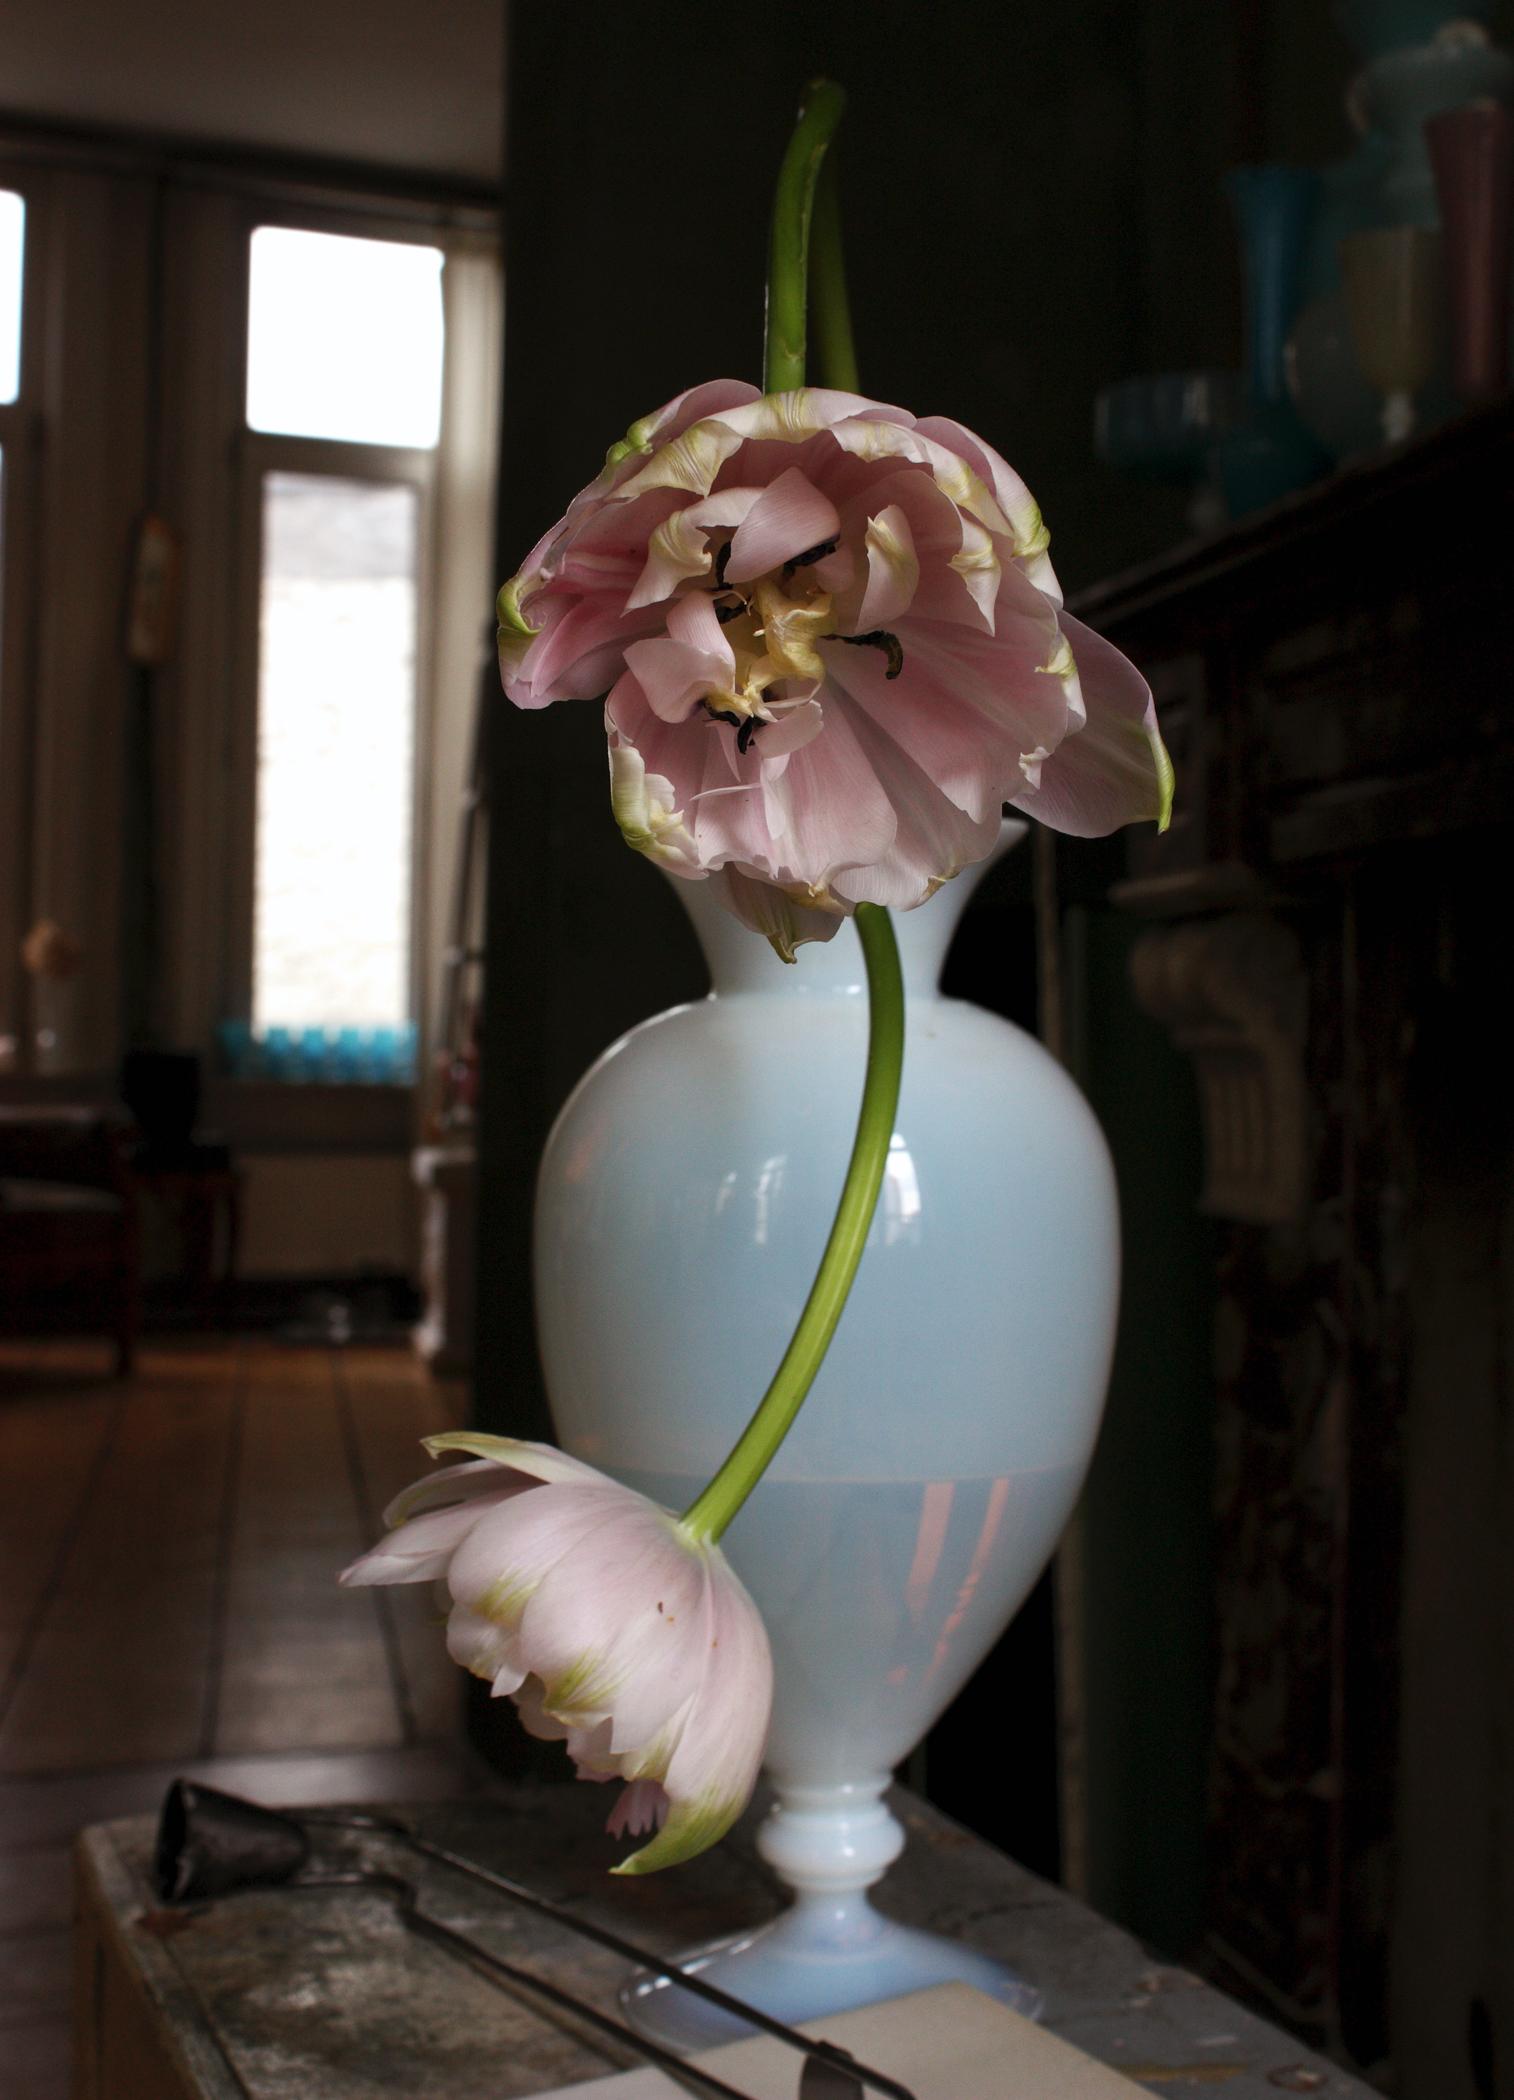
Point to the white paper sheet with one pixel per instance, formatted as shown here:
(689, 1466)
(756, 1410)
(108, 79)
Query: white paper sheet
(950, 2043)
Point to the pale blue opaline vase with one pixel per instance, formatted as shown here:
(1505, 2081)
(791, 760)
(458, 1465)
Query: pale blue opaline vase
(685, 1196)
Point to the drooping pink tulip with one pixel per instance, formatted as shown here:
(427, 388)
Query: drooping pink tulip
(612, 1628)
(833, 647)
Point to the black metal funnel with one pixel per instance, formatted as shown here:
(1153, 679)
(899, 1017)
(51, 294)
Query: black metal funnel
(210, 1843)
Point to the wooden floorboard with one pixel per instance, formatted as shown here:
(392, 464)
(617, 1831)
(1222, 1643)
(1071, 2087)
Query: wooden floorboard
(303, 1662)
(169, 1547)
(50, 1441)
(389, 1409)
(118, 1664)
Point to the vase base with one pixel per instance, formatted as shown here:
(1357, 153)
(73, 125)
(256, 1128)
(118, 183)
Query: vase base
(797, 1972)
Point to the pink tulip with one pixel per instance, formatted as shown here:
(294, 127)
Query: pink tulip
(612, 1628)
(833, 647)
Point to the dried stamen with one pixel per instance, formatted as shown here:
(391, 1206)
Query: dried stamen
(810, 556)
(880, 638)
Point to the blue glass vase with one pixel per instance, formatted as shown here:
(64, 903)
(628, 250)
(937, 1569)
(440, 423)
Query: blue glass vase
(1271, 452)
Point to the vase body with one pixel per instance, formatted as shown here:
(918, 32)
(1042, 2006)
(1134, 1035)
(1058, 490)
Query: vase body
(1403, 89)
(1472, 151)
(686, 1193)
(1271, 452)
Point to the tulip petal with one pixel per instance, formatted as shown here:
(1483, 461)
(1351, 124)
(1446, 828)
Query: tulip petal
(934, 839)
(893, 569)
(420, 1550)
(714, 1763)
(577, 654)
(1031, 537)
(541, 1461)
(789, 517)
(768, 910)
(617, 1631)
(483, 1649)
(505, 1556)
(1115, 769)
(826, 810)
(447, 1485)
(964, 710)
(678, 548)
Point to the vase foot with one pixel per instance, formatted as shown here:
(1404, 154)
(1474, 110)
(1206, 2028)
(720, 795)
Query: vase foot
(800, 1967)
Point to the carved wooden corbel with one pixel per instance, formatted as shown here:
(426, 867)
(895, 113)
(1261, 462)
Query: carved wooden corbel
(1231, 991)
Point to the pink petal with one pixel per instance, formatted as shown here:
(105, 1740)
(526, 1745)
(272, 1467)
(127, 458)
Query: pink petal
(711, 397)
(966, 705)
(421, 1550)
(499, 1565)
(675, 676)
(893, 569)
(933, 839)
(764, 907)
(579, 652)
(482, 1648)
(1010, 492)
(721, 1736)
(642, 1806)
(827, 810)
(449, 1484)
(677, 549)
(1114, 770)
(789, 517)
(622, 1622)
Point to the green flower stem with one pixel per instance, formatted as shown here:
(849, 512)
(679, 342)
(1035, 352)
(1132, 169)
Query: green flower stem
(827, 284)
(708, 1516)
(789, 248)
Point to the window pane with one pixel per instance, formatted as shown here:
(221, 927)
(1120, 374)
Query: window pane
(12, 247)
(344, 338)
(336, 722)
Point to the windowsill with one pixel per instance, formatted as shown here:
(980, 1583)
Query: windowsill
(272, 1115)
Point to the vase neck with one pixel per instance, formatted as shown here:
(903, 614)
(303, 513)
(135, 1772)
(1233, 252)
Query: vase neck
(741, 961)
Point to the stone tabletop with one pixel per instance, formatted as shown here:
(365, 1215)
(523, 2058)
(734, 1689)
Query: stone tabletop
(282, 1995)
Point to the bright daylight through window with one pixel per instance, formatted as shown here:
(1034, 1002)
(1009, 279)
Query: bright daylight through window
(344, 345)
(12, 243)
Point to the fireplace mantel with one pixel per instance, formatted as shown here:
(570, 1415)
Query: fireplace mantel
(1324, 933)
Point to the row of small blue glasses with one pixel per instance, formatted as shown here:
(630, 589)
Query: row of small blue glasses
(320, 1056)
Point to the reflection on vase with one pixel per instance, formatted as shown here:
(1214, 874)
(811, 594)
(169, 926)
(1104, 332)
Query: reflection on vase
(1472, 151)
(924, 1485)
(1270, 453)
(1393, 291)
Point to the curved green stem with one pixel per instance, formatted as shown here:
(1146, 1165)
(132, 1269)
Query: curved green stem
(712, 1511)
(837, 353)
(789, 245)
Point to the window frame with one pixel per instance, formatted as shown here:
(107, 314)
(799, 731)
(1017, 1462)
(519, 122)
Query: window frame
(21, 440)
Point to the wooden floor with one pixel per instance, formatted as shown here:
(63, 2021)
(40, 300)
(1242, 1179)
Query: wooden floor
(168, 1604)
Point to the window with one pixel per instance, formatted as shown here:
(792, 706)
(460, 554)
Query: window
(299, 392)
(12, 252)
(345, 345)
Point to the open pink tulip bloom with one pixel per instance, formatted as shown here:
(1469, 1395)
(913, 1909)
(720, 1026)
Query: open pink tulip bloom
(833, 648)
(612, 1628)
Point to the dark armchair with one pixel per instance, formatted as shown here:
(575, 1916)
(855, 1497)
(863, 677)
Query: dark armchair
(69, 1246)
